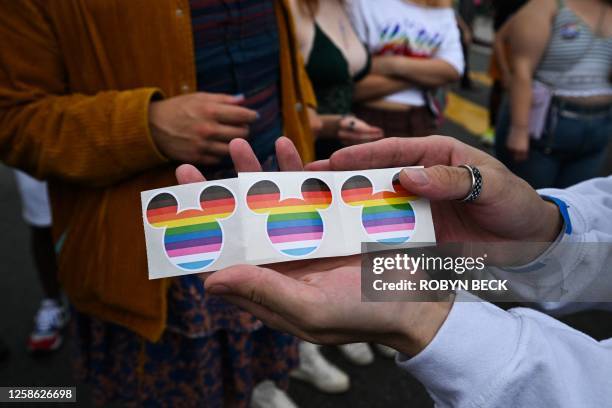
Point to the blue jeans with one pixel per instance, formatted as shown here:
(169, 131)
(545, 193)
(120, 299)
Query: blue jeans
(572, 148)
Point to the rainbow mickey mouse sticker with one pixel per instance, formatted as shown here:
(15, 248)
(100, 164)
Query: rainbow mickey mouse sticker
(263, 218)
(193, 238)
(294, 225)
(386, 216)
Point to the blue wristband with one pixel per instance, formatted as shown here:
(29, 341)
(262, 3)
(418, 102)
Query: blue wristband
(563, 210)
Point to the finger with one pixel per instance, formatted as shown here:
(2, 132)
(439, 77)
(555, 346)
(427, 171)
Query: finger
(395, 152)
(287, 155)
(243, 156)
(206, 97)
(438, 182)
(226, 133)
(319, 165)
(235, 115)
(265, 287)
(215, 148)
(186, 174)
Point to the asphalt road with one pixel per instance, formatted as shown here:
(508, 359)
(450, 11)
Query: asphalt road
(378, 385)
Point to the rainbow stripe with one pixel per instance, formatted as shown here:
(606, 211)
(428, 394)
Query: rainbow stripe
(193, 238)
(294, 227)
(387, 216)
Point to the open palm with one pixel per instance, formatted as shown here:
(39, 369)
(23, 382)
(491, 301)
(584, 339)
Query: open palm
(320, 300)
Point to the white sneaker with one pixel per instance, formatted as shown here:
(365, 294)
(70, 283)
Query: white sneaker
(48, 324)
(358, 353)
(267, 395)
(386, 351)
(316, 370)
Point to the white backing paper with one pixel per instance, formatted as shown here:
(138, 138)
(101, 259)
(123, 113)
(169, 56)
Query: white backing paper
(262, 218)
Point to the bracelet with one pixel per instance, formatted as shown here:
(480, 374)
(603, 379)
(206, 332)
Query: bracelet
(562, 205)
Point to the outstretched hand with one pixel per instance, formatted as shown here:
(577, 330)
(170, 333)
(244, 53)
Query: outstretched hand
(320, 300)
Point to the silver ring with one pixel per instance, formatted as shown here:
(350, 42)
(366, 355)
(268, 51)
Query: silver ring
(476, 187)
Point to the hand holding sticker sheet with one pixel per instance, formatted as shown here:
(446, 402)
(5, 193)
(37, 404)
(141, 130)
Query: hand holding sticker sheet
(261, 218)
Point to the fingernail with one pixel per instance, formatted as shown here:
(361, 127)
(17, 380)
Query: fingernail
(417, 176)
(239, 96)
(219, 290)
(258, 115)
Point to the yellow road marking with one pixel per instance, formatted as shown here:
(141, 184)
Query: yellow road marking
(471, 116)
(481, 77)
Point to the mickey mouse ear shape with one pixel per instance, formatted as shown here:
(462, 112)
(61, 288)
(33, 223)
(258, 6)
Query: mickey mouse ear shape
(315, 191)
(357, 189)
(217, 200)
(161, 209)
(262, 196)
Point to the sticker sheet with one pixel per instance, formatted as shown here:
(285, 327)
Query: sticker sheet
(261, 218)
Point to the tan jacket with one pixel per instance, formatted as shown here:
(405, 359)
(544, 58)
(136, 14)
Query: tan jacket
(76, 80)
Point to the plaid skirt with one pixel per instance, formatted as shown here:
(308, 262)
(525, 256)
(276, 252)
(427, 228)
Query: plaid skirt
(217, 370)
(417, 121)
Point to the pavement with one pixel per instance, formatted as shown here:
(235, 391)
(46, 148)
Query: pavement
(381, 384)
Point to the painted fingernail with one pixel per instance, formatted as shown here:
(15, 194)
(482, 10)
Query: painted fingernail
(417, 176)
(219, 290)
(239, 96)
(257, 115)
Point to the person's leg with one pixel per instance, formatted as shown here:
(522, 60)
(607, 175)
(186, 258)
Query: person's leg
(51, 316)
(45, 261)
(37, 214)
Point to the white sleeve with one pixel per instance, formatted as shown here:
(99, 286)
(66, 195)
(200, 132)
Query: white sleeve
(586, 251)
(450, 49)
(486, 357)
(573, 274)
(483, 356)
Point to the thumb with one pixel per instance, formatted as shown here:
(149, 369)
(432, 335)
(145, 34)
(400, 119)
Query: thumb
(438, 182)
(187, 174)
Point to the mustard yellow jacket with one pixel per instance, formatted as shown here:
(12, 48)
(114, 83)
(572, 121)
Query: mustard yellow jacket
(76, 80)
